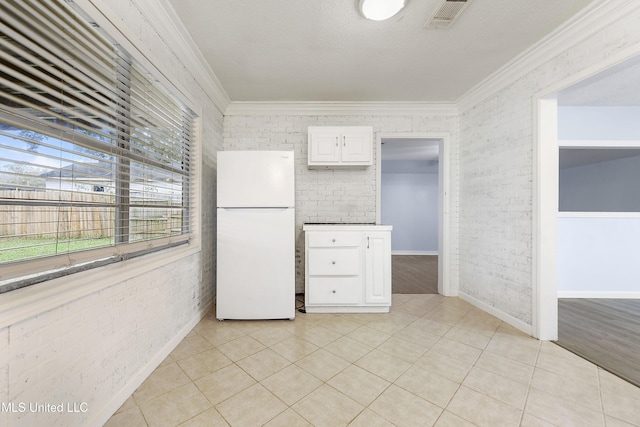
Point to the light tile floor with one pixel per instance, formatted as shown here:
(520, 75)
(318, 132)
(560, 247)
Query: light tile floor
(430, 361)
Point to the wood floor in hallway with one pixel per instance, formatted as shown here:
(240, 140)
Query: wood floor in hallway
(414, 274)
(606, 332)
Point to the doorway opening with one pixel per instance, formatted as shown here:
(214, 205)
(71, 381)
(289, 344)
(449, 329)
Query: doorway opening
(588, 218)
(412, 196)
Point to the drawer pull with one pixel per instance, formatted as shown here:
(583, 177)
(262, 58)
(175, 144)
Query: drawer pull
(333, 262)
(333, 240)
(333, 291)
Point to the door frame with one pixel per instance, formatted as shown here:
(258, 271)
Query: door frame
(444, 198)
(544, 317)
(545, 195)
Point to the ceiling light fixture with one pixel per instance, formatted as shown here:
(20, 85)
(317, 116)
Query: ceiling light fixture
(379, 10)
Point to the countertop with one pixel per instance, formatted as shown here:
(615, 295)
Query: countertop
(345, 227)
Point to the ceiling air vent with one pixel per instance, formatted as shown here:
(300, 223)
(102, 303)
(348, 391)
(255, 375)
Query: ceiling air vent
(446, 13)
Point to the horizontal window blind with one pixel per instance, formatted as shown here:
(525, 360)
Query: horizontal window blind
(94, 152)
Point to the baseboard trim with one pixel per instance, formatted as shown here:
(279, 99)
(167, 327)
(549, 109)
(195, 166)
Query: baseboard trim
(507, 318)
(600, 294)
(103, 414)
(414, 252)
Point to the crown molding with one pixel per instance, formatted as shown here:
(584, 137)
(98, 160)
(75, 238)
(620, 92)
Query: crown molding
(163, 20)
(593, 19)
(292, 108)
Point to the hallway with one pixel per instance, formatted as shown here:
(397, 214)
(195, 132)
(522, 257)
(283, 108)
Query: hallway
(414, 274)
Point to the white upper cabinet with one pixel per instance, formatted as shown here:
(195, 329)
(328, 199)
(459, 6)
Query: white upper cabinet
(340, 146)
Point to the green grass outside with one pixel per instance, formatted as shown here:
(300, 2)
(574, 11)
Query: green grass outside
(13, 249)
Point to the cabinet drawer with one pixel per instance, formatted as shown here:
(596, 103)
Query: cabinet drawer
(335, 290)
(334, 261)
(334, 239)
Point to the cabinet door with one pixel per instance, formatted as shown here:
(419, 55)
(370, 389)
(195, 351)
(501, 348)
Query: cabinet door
(378, 267)
(357, 148)
(324, 148)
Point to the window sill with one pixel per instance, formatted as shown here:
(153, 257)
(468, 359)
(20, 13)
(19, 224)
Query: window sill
(30, 301)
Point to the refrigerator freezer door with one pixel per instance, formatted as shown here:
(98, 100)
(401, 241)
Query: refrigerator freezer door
(255, 264)
(256, 179)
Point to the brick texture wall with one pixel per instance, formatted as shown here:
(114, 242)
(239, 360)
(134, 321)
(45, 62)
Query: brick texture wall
(496, 175)
(91, 348)
(88, 350)
(328, 195)
(496, 206)
(98, 348)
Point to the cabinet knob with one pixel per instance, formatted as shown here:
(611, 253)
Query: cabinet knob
(333, 291)
(333, 262)
(333, 240)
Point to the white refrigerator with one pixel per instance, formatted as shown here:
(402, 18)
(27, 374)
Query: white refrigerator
(255, 275)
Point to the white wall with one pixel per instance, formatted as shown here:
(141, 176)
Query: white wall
(497, 134)
(410, 203)
(95, 336)
(330, 195)
(599, 123)
(598, 256)
(597, 253)
(608, 186)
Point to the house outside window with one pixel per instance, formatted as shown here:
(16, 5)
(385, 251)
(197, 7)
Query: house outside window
(94, 152)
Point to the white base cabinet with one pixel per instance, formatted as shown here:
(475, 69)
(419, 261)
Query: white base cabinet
(347, 268)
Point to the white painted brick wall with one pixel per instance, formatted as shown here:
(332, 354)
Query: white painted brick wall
(4, 374)
(212, 142)
(93, 349)
(496, 176)
(495, 206)
(87, 350)
(330, 195)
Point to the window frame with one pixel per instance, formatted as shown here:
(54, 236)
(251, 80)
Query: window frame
(20, 274)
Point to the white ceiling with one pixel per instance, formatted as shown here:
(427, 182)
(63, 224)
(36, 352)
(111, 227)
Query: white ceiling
(324, 50)
(410, 148)
(410, 155)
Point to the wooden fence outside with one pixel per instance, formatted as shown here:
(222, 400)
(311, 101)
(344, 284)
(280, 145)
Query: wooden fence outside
(80, 222)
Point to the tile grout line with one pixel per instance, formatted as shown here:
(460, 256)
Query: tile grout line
(466, 375)
(406, 319)
(530, 382)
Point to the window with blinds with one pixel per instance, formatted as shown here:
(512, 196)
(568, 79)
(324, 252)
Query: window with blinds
(94, 153)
